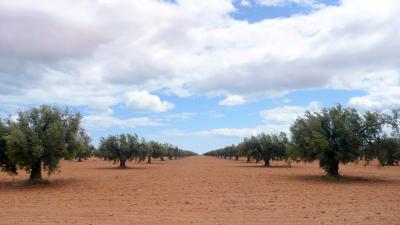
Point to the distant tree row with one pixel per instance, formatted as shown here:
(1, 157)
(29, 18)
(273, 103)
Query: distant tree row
(123, 147)
(332, 136)
(39, 138)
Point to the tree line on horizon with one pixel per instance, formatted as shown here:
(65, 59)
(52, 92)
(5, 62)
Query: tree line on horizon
(331, 136)
(124, 147)
(40, 137)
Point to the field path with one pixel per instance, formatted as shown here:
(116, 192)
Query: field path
(203, 190)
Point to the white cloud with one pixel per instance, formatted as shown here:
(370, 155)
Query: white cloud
(287, 114)
(232, 100)
(99, 122)
(181, 116)
(142, 101)
(228, 132)
(274, 120)
(383, 92)
(388, 98)
(281, 3)
(197, 49)
(175, 133)
(245, 2)
(218, 132)
(280, 119)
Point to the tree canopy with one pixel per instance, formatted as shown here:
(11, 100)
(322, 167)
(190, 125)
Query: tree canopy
(120, 147)
(41, 137)
(125, 147)
(6, 164)
(332, 136)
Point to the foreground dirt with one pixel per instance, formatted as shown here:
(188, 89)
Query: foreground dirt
(203, 190)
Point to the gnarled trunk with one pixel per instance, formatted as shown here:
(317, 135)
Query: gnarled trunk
(333, 169)
(36, 171)
(122, 163)
(149, 159)
(266, 163)
(266, 159)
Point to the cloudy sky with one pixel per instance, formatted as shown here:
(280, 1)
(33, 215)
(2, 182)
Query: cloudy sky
(198, 74)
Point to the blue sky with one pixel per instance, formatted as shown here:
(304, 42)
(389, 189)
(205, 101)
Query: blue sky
(208, 115)
(198, 74)
(257, 12)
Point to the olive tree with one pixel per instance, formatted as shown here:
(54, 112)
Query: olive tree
(389, 151)
(41, 137)
(272, 147)
(84, 148)
(120, 148)
(6, 164)
(331, 136)
(371, 131)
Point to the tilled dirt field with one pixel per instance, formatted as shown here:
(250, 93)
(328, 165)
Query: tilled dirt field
(203, 190)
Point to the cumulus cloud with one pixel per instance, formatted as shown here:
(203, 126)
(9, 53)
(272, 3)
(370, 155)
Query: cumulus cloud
(85, 53)
(99, 122)
(388, 98)
(275, 120)
(232, 100)
(281, 118)
(228, 132)
(218, 132)
(142, 101)
(383, 92)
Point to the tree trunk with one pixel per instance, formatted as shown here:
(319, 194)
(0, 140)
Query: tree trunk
(36, 171)
(162, 158)
(248, 159)
(390, 160)
(122, 163)
(237, 158)
(266, 162)
(333, 169)
(266, 159)
(79, 159)
(149, 159)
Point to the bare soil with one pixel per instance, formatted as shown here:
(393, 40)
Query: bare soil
(203, 190)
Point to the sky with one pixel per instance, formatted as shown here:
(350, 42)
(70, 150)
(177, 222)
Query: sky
(198, 74)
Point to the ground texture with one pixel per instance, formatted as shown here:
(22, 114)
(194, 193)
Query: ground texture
(203, 190)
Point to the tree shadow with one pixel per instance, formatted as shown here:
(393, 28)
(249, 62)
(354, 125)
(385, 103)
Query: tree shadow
(119, 168)
(346, 179)
(264, 167)
(22, 184)
(156, 163)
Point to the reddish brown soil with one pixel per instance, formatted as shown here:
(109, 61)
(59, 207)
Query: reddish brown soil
(203, 190)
